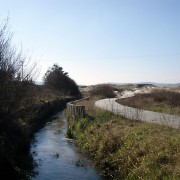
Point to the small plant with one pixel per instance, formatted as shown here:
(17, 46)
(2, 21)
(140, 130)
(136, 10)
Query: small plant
(69, 133)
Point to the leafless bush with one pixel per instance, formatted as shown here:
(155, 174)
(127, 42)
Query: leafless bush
(17, 97)
(104, 91)
(16, 78)
(171, 98)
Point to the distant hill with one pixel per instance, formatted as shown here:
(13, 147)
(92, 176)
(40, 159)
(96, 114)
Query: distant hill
(145, 84)
(151, 84)
(162, 84)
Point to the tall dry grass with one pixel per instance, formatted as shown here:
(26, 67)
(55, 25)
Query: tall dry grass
(158, 100)
(103, 91)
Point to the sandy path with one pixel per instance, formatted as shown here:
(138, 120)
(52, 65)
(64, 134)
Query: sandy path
(138, 114)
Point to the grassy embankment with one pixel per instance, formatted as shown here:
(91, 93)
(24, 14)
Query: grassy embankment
(15, 136)
(126, 149)
(158, 100)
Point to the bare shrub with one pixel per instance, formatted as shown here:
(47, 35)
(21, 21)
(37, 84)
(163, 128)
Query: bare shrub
(171, 98)
(17, 94)
(104, 91)
(16, 81)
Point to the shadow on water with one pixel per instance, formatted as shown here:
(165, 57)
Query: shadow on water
(56, 156)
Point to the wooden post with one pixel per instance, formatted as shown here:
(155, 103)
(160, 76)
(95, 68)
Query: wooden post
(76, 111)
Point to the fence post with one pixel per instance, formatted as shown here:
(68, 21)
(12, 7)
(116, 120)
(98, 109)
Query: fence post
(76, 111)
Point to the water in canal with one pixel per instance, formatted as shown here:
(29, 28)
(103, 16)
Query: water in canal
(57, 157)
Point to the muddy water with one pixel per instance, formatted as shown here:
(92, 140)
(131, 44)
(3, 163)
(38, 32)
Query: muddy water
(57, 157)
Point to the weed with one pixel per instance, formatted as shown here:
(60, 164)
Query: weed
(69, 134)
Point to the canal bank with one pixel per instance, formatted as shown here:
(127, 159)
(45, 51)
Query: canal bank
(56, 156)
(15, 159)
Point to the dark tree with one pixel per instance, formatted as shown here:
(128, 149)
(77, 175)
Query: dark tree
(58, 80)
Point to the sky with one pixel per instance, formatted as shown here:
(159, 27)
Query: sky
(100, 41)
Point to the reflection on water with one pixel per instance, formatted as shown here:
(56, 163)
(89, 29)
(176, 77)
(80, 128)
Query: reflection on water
(57, 157)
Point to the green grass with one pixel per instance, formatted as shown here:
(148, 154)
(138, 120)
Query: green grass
(125, 149)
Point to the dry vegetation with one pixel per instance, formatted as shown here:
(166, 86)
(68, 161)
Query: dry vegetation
(158, 100)
(89, 107)
(128, 87)
(126, 149)
(102, 91)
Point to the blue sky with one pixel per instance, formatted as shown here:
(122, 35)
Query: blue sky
(100, 41)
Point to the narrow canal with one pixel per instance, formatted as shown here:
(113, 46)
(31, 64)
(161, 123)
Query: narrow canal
(57, 157)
